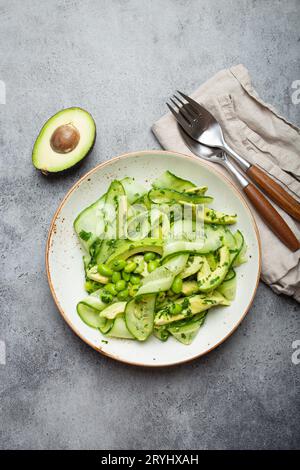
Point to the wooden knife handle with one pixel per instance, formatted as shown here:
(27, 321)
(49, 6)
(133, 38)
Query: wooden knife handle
(272, 218)
(275, 191)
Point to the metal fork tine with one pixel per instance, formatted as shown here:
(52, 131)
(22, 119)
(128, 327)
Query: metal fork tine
(178, 99)
(185, 114)
(192, 102)
(182, 111)
(180, 119)
(186, 107)
(175, 104)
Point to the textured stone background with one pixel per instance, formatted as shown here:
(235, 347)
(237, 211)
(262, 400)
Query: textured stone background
(121, 60)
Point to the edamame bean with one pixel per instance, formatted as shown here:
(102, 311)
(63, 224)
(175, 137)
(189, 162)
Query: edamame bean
(104, 270)
(134, 279)
(120, 285)
(111, 288)
(176, 309)
(126, 276)
(123, 294)
(150, 256)
(118, 264)
(130, 267)
(152, 265)
(116, 276)
(177, 285)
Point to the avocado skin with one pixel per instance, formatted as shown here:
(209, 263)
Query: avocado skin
(63, 171)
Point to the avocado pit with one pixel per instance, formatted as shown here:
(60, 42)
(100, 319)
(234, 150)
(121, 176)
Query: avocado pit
(65, 138)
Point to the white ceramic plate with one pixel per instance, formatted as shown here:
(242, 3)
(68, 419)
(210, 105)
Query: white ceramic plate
(65, 269)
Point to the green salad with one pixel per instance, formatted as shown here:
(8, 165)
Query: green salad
(156, 260)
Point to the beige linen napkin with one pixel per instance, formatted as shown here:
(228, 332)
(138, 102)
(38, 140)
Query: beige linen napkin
(255, 130)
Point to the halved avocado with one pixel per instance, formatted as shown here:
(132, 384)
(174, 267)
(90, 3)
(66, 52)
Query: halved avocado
(64, 140)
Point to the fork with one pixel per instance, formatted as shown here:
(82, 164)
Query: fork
(272, 218)
(201, 125)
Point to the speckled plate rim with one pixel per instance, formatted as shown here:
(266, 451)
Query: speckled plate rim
(76, 186)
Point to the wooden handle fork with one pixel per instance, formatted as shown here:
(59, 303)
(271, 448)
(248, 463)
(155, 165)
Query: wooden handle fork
(272, 218)
(275, 191)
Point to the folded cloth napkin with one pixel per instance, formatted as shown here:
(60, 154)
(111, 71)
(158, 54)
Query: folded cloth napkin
(255, 130)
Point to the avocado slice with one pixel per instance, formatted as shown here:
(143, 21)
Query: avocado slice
(212, 216)
(64, 140)
(113, 310)
(126, 248)
(191, 306)
(214, 278)
(194, 264)
(189, 287)
(93, 274)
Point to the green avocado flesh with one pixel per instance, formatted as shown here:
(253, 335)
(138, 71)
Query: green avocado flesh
(64, 140)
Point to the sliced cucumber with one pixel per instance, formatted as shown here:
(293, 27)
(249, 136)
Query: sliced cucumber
(228, 239)
(202, 247)
(144, 201)
(235, 243)
(210, 242)
(170, 196)
(162, 278)
(160, 224)
(138, 226)
(133, 190)
(90, 223)
(89, 314)
(119, 329)
(89, 311)
(185, 331)
(86, 261)
(139, 316)
(241, 256)
(168, 180)
(94, 301)
(111, 217)
(230, 275)
(228, 286)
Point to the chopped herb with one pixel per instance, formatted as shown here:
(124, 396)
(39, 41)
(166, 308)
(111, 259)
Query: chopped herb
(85, 235)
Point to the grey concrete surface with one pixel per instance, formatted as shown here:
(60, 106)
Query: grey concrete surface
(121, 59)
